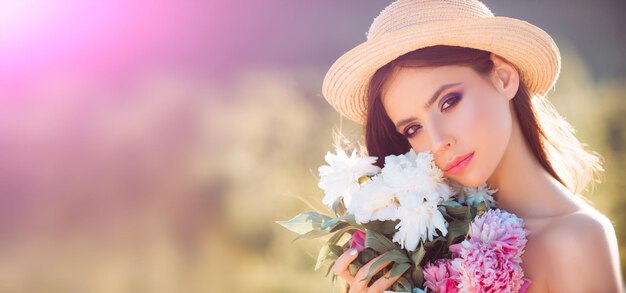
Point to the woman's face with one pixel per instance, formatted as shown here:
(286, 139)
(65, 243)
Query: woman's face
(469, 115)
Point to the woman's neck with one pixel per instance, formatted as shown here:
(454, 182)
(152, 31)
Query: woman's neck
(524, 186)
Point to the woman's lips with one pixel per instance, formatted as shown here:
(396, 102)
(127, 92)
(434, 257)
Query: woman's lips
(460, 166)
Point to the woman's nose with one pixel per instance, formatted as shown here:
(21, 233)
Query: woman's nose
(440, 140)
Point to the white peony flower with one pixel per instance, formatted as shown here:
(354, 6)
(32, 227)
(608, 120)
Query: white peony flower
(474, 195)
(339, 179)
(426, 163)
(416, 173)
(375, 200)
(419, 217)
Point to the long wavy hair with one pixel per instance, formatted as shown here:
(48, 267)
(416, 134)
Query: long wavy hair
(550, 137)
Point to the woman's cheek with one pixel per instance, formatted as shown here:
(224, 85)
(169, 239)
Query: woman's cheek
(475, 125)
(470, 120)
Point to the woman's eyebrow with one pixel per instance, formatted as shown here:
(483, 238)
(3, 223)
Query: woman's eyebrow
(430, 102)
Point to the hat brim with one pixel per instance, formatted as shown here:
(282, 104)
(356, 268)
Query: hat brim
(531, 49)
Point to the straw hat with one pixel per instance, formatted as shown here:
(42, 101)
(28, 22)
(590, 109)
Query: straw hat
(407, 25)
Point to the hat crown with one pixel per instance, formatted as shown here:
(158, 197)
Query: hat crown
(403, 14)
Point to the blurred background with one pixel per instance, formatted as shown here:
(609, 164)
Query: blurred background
(149, 146)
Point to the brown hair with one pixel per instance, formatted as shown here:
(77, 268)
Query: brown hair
(549, 136)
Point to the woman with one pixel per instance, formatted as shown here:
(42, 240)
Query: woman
(449, 77)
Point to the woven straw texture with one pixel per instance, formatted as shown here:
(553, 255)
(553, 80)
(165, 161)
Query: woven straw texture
(407, 25)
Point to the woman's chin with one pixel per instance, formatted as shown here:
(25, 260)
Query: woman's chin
(468, 179)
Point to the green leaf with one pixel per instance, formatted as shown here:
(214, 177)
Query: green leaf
(339, 226)
(402, 285)
(459, 212)
(450, 203)
(435, 248)
(378, 242)
(311, 235)
(418, 276)
(366, 256)
(321, 256)
(337, 236)
(330, 268)
(457, 229)
(418, 255)
(430, 244)
(304, 222)
(338, 207)
(398, 269)
(336, 250)
(397, 256)
(482, 208)
(333, 221)
(328, 252)
(383, 227)
(330, 222)
(442, 210)
(353, 269)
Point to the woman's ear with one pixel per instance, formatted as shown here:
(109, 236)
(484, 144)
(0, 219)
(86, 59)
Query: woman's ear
(504, 76)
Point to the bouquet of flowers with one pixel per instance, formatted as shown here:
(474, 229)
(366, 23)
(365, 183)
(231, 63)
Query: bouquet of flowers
(439, 235)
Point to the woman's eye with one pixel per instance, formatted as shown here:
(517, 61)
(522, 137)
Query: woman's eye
(454, 98)
(411, 130)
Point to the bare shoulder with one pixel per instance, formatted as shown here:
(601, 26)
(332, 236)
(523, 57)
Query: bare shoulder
(582, 253)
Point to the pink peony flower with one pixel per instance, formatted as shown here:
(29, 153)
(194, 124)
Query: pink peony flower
(358, 240)
(490, 261)
(485, 269)
(442, 276)
(497, 227)
(525, 285)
